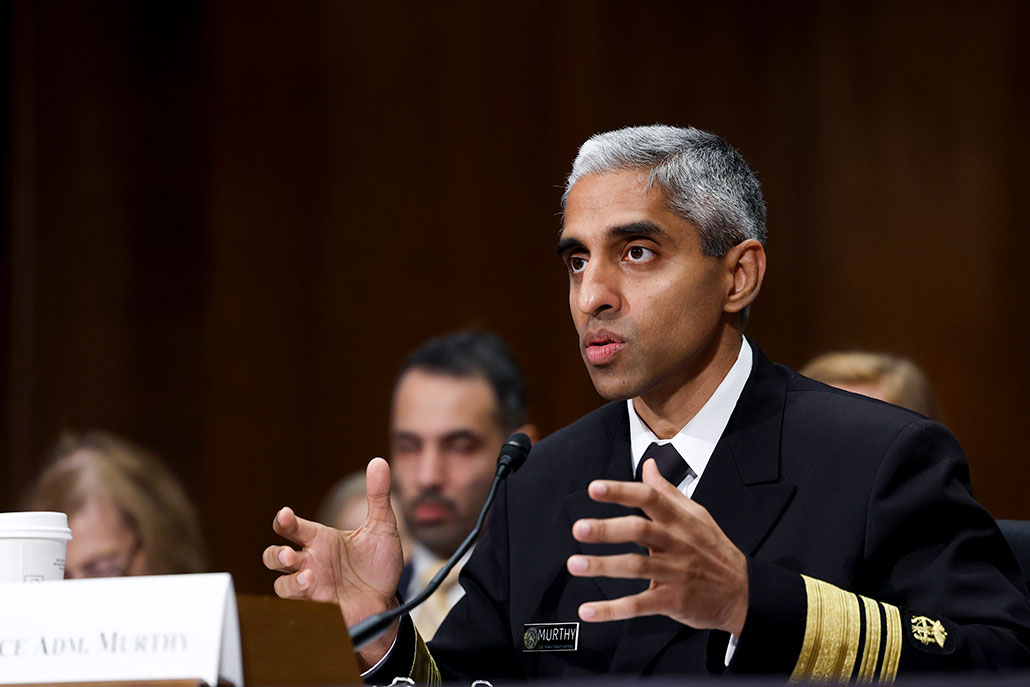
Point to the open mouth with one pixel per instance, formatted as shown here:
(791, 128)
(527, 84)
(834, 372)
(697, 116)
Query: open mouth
(601, 347)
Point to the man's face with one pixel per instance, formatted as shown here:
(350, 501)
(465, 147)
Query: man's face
(445, 438)
(646, 302)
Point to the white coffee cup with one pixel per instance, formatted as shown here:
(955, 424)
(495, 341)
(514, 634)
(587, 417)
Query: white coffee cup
(32, 546)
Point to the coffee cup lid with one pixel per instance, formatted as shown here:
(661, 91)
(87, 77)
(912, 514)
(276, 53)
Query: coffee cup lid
(35, 524)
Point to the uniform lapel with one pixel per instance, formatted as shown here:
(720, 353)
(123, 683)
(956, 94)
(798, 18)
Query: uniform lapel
(742, 490)
(579, 505)
(741, 486)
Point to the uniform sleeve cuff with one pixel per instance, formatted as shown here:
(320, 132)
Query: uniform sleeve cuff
(775, 623)
(398, 660)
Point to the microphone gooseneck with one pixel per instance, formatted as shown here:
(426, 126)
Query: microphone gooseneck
(512, 455)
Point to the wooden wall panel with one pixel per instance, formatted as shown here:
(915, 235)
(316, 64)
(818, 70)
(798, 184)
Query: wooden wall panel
(109, 287)
(229, 224)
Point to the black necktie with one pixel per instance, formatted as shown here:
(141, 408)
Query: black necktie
(670, 463)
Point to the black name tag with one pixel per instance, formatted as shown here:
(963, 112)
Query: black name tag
(550, 637)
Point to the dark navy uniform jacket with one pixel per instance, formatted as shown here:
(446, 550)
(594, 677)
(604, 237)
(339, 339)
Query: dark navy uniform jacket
(867, 555)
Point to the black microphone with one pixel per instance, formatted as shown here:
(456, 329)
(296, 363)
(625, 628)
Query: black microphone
(512, 456)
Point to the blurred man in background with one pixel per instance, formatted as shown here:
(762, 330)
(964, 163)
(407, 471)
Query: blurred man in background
(455, 401)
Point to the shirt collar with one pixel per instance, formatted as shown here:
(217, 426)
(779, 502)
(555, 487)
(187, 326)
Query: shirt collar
(697, 440)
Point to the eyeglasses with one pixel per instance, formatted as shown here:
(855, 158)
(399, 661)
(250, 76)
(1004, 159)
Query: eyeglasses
(115, 564)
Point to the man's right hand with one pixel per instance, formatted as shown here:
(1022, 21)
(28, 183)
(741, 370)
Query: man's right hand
(357, 569)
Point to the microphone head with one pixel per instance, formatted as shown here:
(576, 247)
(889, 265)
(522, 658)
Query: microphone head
(514, 451)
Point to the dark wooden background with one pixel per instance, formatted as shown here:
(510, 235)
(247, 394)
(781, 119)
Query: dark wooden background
(226, 223)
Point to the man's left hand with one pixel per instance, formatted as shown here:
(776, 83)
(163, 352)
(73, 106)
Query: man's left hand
(698, 577)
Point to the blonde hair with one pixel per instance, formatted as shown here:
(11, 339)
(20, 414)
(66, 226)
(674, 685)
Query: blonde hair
(98, 465)
(898, 380)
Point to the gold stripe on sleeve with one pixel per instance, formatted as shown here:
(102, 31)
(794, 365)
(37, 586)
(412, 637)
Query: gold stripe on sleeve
(852, 636)
(423, 667)
(830, 631)
(833, 630)
(831, 634)
(871, 653)
(803, 669)
(892, 652)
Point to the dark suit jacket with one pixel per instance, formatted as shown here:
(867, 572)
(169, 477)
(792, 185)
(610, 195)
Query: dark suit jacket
(806, 479)
(407, 573)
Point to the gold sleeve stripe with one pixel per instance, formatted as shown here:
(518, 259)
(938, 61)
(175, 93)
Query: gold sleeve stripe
(834, 633)
(423, 667)
(892, 652)
(852, 635)
(830, 634)
(871, 652)
(810, 644)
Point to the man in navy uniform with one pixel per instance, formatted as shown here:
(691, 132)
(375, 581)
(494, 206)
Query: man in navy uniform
(722, 513)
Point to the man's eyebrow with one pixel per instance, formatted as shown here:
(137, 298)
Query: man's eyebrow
(399, 434)
(567, 244)
(644, 227)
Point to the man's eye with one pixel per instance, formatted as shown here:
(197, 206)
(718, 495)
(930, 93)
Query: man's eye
(640, 254)
(401, 448)
(577, 264)
(463, 445)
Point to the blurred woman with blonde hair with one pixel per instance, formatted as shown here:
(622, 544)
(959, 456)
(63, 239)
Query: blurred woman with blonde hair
(886, 377)
(127, 512)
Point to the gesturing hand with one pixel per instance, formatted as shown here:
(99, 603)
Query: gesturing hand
(698, 577)
(357, 569)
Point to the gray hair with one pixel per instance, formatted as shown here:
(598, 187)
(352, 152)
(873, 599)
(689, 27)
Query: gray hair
(704, 178)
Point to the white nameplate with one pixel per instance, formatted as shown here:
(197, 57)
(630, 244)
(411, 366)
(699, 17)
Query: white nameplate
(163, 627)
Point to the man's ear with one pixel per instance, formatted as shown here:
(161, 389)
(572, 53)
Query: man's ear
(745, 265)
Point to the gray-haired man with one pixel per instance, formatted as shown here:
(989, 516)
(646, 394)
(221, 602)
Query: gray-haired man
(782, 526)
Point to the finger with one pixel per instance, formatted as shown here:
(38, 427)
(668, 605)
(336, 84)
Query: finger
(630, 528)
(659, 504)
(626, 566)
(282, 559)
(377, 489)
(297, 530)
(682, 504)
(652, 476)
(632, 606)
(293, 586)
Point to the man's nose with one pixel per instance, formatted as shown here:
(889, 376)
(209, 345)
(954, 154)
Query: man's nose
(430, 468)
(598, 289)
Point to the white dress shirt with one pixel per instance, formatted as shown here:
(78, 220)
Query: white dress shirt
(696, 441)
